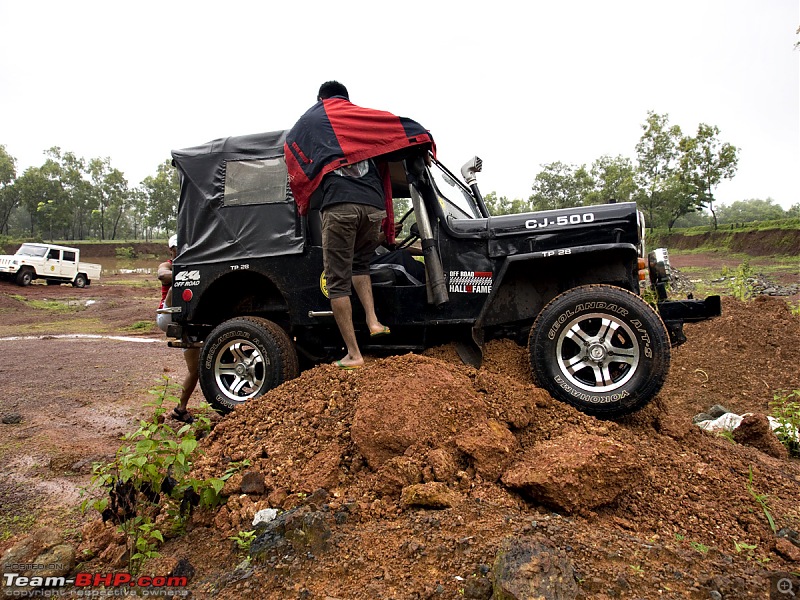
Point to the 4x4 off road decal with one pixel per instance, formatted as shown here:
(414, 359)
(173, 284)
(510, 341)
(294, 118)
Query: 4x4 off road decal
(186, 279)
(469, 282)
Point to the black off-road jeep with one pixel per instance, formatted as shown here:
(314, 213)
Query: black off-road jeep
(249, 286)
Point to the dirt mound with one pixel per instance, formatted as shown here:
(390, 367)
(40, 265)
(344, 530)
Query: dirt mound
(419, 477)
(647, 507)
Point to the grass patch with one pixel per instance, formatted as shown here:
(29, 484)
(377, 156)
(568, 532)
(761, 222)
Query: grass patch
(141, 326)
(60, 306)
(92, 325)
(12, 525)
(151, 284)
(20, 517)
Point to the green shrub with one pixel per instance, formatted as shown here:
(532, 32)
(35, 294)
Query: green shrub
(740, 285)
(786, 411)
(148, 488)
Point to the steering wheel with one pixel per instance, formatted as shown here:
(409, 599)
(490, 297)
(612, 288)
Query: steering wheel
(413, 236)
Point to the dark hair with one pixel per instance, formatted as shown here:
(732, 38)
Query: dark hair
(330, 89)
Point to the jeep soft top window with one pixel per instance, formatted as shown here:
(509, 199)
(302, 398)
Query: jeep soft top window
(262, 181)
(69, 256)
(31, 250)
(458, 202)
(54, 254)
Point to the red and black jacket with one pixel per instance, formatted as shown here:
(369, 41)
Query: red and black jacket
(333, 133)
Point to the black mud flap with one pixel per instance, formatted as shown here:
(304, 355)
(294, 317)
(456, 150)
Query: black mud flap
(675, 313)
(469, 353)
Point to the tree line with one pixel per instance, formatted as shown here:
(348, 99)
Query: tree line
(672, 178)
(71, 198)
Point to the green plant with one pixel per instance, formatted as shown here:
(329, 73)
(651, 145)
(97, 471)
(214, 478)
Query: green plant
(637, 569)
(726, 435)
(125, 252)
(679, 537)
(761, 499)
(150, 481)
(243, 539)
(785, 407)
(701, 548)
(741, 286)
(795, 308)
(744, 547)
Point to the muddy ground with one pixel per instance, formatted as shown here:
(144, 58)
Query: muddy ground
(645, 507)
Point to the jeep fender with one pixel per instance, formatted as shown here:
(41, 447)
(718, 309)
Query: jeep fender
(525, 283)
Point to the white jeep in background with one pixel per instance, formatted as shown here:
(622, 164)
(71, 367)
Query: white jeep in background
(54, 264)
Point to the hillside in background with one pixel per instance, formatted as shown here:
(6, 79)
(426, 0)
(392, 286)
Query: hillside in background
(767, 242)
(752, 242)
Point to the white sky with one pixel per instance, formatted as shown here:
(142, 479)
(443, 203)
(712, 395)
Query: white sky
(519, 84)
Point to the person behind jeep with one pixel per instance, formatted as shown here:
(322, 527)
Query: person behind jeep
(190, 355)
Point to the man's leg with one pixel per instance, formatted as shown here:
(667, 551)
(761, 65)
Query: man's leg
(339, 227)
(192, 357)
(343, 313)
(363, 286)
(365, 243)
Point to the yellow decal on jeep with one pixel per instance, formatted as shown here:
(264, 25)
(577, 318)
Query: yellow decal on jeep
(323, 284)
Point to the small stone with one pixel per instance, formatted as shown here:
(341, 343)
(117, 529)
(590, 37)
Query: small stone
(787, 550)
(183, 568)
(12, 418)
(265, 516)
(252, 483)
(700, 417)
(717, 411)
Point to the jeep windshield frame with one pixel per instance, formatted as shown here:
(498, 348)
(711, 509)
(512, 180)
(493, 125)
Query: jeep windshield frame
(460, 203)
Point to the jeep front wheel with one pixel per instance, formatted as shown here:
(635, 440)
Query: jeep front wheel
(24, 277)
(244, 358)
(601, 349)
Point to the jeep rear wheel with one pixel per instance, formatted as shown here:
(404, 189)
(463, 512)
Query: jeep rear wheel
(80, 281)
(601, 349)
(244, 358)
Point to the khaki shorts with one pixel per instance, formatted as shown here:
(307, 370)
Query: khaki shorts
(350, 234)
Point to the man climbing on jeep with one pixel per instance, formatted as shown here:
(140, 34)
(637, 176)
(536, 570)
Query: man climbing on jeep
(355, 199)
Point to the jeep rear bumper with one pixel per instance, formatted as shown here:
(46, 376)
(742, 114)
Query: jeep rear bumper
(675, 313)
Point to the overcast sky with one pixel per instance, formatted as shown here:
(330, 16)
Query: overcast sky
(520, 84)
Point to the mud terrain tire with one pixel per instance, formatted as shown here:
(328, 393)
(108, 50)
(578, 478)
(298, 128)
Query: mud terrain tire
(601, 349)
(244, 358)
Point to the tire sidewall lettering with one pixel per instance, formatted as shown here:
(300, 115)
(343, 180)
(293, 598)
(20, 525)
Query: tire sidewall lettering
(583, 307)
(586, 397)
(235, 334)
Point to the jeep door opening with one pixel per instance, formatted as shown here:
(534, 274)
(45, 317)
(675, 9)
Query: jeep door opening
(249, 286)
